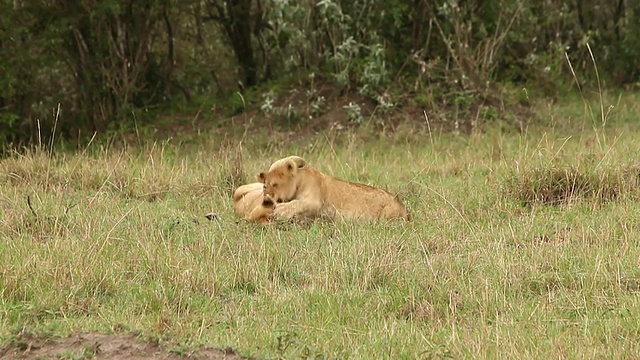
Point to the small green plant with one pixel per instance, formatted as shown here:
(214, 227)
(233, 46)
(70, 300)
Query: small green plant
(318, 106)
(354, 112)
(179, 350)
(289, 345)
(267, 105)
(88, 352)
(385, 104)
(489, 113)
(288, 113)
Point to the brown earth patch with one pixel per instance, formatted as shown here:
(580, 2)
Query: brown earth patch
(104, 346)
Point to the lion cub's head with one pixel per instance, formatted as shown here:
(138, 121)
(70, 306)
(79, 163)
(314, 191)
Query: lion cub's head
(279, 183)
(263, 213)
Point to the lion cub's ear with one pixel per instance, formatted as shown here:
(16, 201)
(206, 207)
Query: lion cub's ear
(261, 177)
(298, 161)
(292, 167)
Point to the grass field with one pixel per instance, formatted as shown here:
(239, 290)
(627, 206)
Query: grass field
(521, 245)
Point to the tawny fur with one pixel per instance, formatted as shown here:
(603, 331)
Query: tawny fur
(297, 161)
(249, 201)
(306, 192)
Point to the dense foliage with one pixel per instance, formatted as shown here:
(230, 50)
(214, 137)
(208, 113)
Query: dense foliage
(100, 61)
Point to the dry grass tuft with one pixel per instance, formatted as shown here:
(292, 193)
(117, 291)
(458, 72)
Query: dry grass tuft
(555, 185)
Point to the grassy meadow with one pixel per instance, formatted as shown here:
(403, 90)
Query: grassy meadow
(521, 244)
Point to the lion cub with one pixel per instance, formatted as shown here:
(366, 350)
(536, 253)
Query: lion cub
(302, 191)
(249, 200)
(250, 203)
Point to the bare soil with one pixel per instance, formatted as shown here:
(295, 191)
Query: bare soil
(103, 346)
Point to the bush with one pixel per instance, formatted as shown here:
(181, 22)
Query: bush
(102, 62)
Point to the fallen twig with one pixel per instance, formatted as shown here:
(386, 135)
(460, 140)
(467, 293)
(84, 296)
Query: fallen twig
(35, 215)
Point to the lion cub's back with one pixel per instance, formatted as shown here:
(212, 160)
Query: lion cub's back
(354, 200)
(246, 198)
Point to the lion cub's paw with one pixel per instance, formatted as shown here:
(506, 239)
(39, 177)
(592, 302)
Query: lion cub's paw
(283, 211)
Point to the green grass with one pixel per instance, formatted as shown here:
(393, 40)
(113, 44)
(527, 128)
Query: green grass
(117, 241)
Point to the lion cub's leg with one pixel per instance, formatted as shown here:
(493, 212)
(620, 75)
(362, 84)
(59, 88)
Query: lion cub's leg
(297, 207)
(263, 212)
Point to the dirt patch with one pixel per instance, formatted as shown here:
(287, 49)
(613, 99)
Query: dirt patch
(103, 346)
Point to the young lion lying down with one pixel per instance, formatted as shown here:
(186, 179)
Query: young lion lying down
(250, 203)
(301, 191)
(249, 200)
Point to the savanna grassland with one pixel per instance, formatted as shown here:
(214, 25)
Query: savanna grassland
(521, 244)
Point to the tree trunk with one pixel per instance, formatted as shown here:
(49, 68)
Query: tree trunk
(235, 18)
